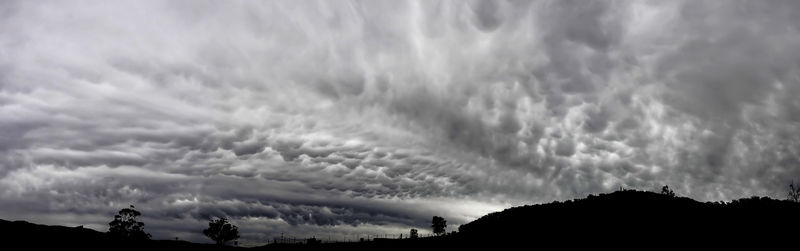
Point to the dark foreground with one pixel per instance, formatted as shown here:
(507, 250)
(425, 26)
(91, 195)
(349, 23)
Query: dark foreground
(623, 219)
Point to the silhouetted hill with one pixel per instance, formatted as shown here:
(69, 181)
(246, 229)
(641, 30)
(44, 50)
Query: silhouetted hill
(30, 236)
(638, 217)
(624, 219)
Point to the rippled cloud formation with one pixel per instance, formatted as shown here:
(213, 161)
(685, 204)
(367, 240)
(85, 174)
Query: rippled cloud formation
(340, 118)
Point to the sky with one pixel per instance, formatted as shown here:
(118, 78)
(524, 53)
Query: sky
(338, 119)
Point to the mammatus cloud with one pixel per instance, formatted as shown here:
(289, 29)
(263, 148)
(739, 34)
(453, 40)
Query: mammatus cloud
(349, 117)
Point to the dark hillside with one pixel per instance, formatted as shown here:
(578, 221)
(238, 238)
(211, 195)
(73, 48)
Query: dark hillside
(637, 216)
(43, 237)
(623, 219)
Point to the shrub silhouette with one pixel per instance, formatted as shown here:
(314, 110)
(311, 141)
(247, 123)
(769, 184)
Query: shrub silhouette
(438, 224)
(125, 225)
(794, 193)
(666, 191)
(221, 231)
(414, 234)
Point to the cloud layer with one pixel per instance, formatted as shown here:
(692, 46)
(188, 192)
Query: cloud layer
(349, 117)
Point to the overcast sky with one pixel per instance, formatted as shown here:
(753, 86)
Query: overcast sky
(336, 118)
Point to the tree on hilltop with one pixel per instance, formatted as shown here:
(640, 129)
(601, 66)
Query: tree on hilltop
(126, 226)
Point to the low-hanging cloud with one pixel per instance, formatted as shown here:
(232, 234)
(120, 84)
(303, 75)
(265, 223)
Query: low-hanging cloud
(334, 116)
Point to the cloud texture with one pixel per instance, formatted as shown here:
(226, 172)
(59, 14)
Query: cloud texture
(348, 117)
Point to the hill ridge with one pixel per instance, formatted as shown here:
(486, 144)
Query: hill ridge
(628, 217)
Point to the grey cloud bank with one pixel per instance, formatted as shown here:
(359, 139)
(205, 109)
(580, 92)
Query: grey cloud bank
(346, 117)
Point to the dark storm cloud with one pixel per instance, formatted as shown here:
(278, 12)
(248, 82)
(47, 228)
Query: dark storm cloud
(727, 74)
(353, 117)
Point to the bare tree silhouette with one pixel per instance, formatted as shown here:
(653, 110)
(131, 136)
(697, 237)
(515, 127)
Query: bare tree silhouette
(126, 226)
(794, 193)
(221, 231)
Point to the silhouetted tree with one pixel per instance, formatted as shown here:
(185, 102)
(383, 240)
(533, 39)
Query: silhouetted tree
(221, 231)
(438, 224)
(666, 191)
(794, 192)
(414, 234)
(125, 225)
